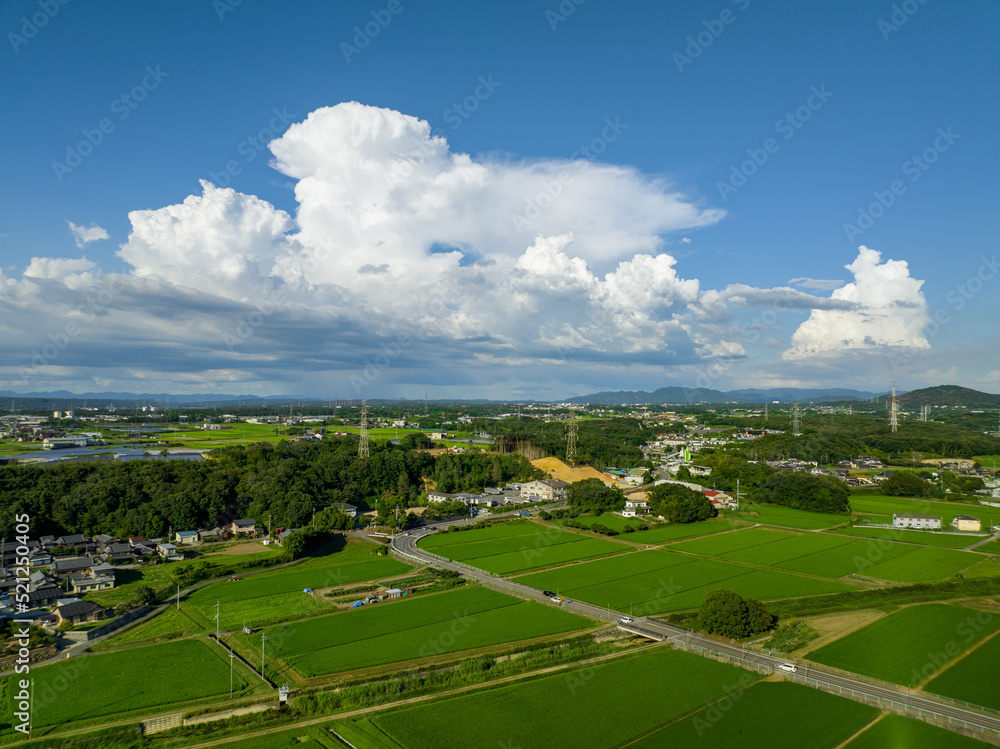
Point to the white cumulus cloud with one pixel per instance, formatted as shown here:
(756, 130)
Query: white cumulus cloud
(887, 309)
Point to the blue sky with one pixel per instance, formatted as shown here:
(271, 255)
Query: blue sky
(529, 199)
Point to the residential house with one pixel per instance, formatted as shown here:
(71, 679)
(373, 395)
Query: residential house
(720, 500)
(243, 525)
(45, 595)
(635, 507)
(80, 612)
(117, 552)
(86, 582)
(169, 552)
(910, 520)
(350, 510)
(186, 537)
(66, 565)
(280, 538)
(966, 523)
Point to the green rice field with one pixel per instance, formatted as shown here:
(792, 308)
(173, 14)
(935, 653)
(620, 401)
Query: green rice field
(759, 715)
(908, 646)
(145, 677)
(559, 710)
(923, 538)
(787, 517)
(414, 628)
(973, 678)
(658, 581)
(506, 549)
(311, 737)
(895, 731)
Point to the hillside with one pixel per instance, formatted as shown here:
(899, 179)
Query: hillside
(950, 395)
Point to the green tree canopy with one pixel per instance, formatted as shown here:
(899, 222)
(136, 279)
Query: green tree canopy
(679, 504)
(593, 495)
(724, 612)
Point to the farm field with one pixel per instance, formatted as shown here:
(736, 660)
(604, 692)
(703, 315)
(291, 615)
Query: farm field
(556, 711)
(517, 547)
(875, 556)
(973, 678)
(759, 717)
(787, 517)
(925, 563)
(660, 581)
(658, 532)
(170, 622)
(923, 538)
(414, 628)
(263, 597)
(112, 683)
(990, 547)
(897, 731)
(882, 505)
(726, 543)
(909, 645)
(786, 549)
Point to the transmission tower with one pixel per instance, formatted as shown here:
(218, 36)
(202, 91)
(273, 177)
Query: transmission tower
(894, 410)
(795, 421)
(363, 447)
(571, 440)
(765, 413)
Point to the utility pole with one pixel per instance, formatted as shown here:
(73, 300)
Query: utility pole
(737, 494)
(232, 657)
(263, 638)
(178, 596)
(218, 619)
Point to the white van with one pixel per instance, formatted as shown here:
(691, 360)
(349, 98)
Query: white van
(626, 620)
(788, 667)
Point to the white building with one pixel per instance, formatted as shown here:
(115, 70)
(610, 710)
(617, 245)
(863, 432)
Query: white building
(544, 490)
(909, 520)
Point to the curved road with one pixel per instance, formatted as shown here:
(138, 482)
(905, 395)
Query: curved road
(405, 544)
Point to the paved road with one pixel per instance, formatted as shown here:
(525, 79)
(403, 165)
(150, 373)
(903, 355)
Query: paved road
(406, 545)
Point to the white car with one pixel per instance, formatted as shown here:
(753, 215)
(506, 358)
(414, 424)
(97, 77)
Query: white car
(626, 620)
(790, 667)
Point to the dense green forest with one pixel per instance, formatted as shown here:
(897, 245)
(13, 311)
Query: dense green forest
(601, 443)
(286, 481)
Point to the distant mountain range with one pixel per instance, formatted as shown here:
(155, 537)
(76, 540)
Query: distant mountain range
(688, 396)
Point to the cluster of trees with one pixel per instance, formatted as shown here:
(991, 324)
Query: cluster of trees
(287, 481)
(724, 612)
(803, 491)
(679, 504)
(594, 496)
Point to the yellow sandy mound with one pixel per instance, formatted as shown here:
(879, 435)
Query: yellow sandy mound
(559, 470)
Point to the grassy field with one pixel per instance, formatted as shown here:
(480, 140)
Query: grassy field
(909, 645)
(988, 461)
(990, 547)
(654, 582)
(786, 517)
(894, 731)
(924, 538)
(112, 683)
(414, 628)
(786, 549)
(559, 710)
(609, 519)
(973, 678)
(665, 533)
(759, 717)
(882, 505)
(170, 623)
(278, 593)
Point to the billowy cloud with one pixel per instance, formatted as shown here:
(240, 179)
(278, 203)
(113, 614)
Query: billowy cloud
(447, 268)
(888, 310)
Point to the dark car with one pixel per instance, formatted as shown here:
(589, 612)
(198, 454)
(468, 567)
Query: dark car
(548, 593)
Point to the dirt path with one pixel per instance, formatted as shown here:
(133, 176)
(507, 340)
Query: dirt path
(834, 626)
